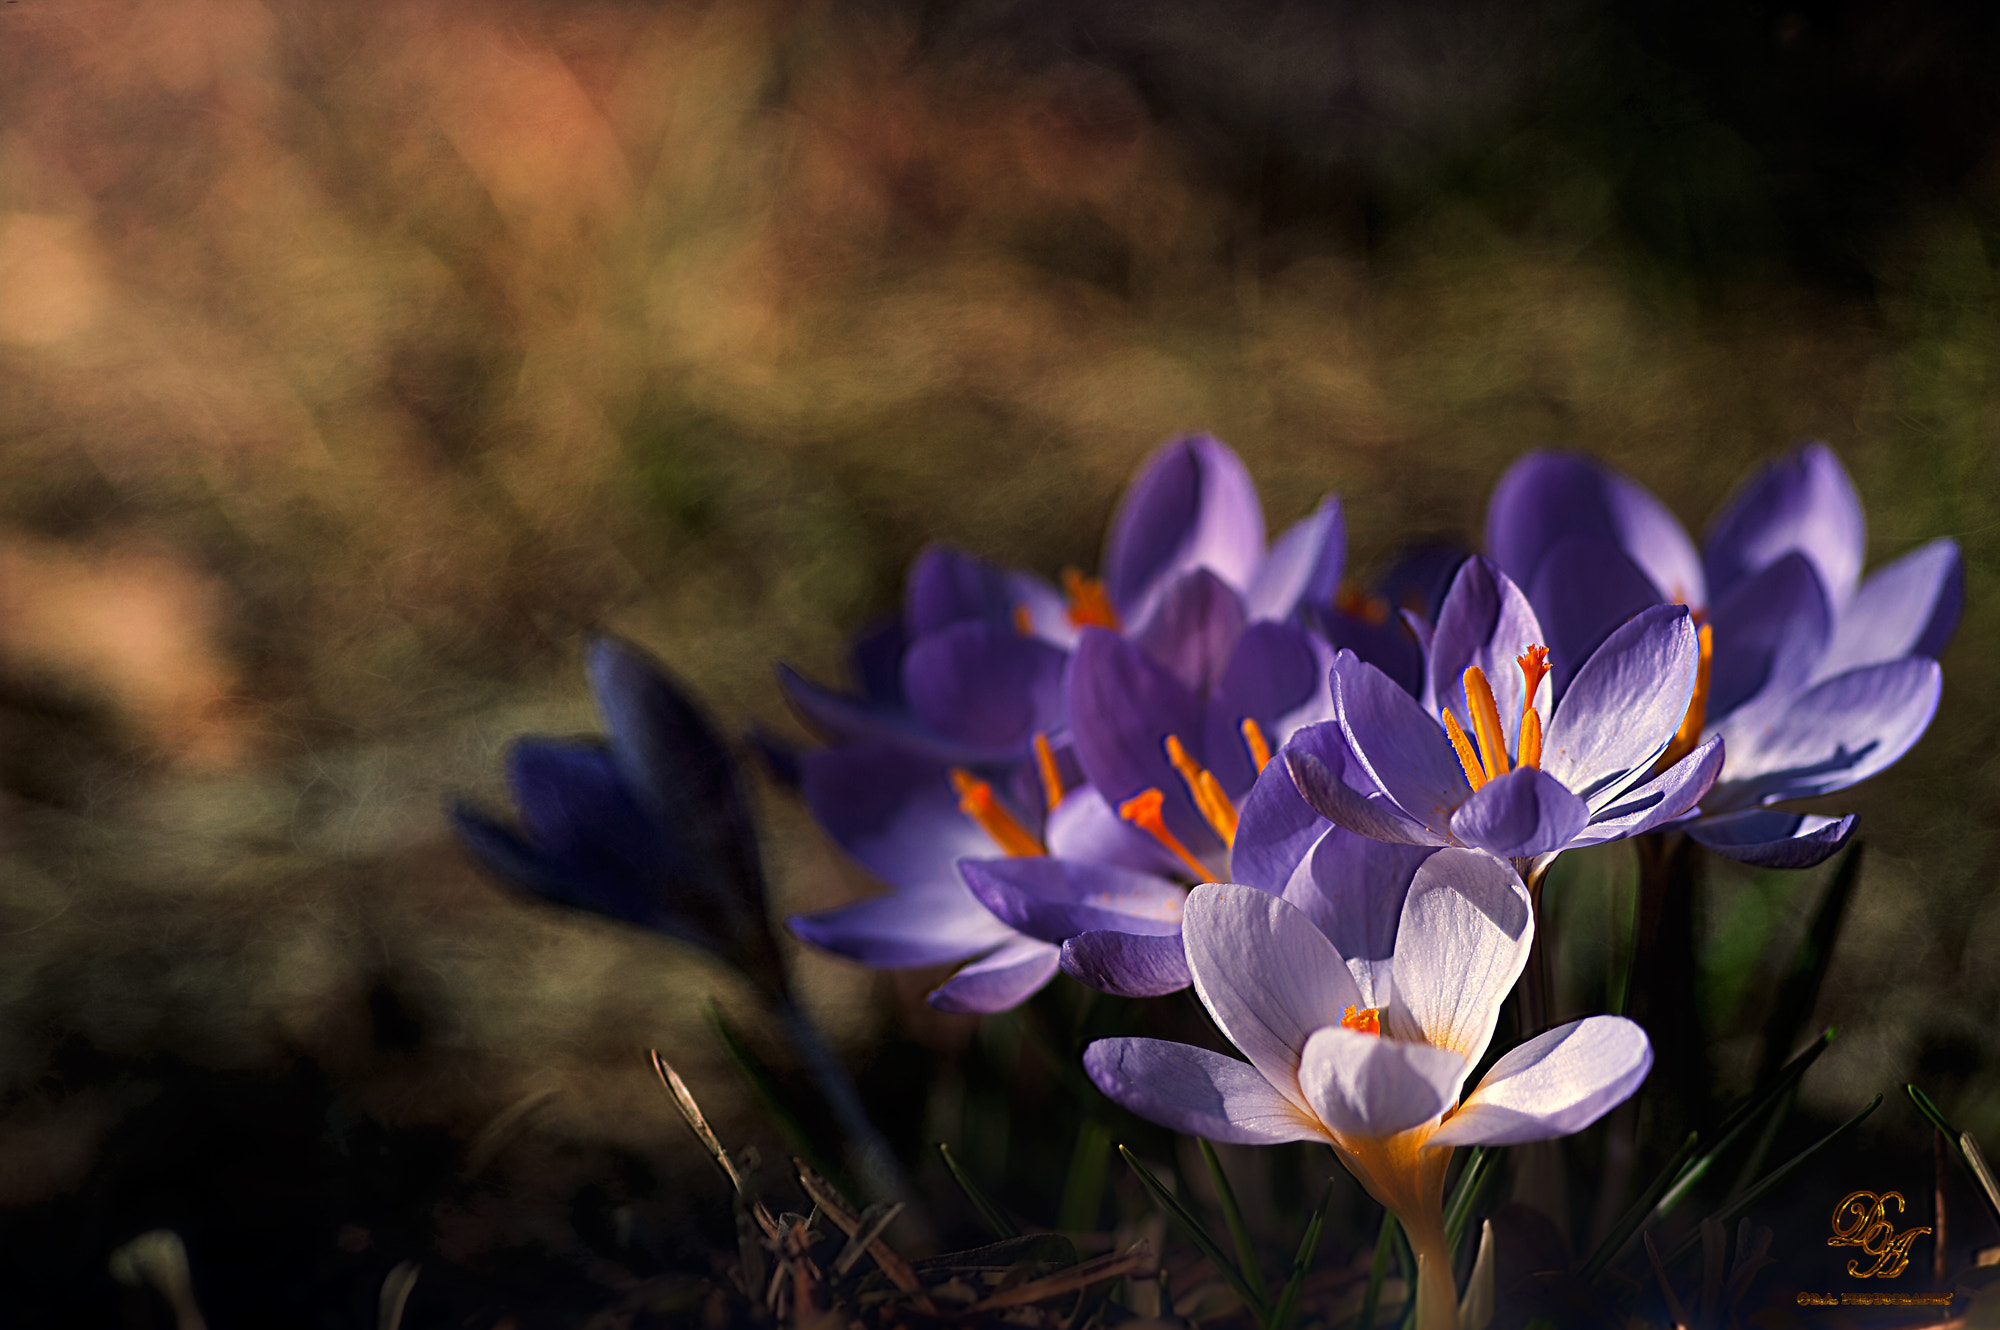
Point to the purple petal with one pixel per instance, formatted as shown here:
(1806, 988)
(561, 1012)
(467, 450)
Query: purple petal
(567, 792)
(1396, 646)
(1802, 502)
(1193, 629)
(1275, 830)
(1365, 1085)
(927, 926)
(1523, 813)
(1122, 707)
(1352, 888)
(1272, 673)
(984, 687)
(1127, 964)
(1191, 506)
(1303, 567)
(876, 661)
(1546, 498)
(1267, 976)
(1403, 751)
(1772, 838)
(1054, 899)
(1196, 1092)
(1836, 733)
(1664, 799)
(1624, 704)
(1463, 940)
(862, 720)
(1585, 589)
(1908, 608)
(947, 586)
(1083, 826)
(1769, 632)
(1334, 785)
(1487, 622)
(893, 811)
(1046, 610)
(1007, 978)
(1555, 1084)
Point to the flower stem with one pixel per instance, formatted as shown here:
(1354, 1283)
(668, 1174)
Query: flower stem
(873, 1161)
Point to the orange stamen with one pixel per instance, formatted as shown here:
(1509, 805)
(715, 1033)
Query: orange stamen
(1468, 756)
(1534, 665)
(1253, 739)
(1689, 734)
(1143, 811)
(1485, 714)
(1045, 767)
(1206, 791)
(1089, 603)
(1024, 622)
(976, 801)
(1531, 738)
(1352, 601)
(1368, 1020)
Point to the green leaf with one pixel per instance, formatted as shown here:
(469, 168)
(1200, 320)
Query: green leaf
(1210, 1248)
(988, 1211)
(1288, 1299)
(1776, 1093)
(1089, 1167)
(1246, 1252)
(1477, 1164)
(1385, 1242)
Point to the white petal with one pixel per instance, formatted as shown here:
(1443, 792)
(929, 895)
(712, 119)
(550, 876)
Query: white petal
(1463, 941)
(1555, 1084)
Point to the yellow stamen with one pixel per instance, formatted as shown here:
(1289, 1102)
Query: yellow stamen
(976, 801)
(1689, 734)
(1534, 665)
(1485, 714)
(1253, 739)
(1368, 1020)
(1352, 601)
(1468, 756)
(1024, 622)
(1045, 767)
(1143, 811)
(1089, 603)
(1206, 791)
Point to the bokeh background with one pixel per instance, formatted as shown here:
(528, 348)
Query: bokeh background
(357, 360)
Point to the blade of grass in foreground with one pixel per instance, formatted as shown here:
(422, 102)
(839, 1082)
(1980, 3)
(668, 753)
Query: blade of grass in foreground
(1473, 1176)
(1288, 1297)
(1259, 1307)
(1371, 1299)
(1233, 1216)
(988, 1211)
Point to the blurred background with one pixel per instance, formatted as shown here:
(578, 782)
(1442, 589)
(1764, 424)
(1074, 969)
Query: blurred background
(357, 360)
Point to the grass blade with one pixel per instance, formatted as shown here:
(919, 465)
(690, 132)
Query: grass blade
(988, 1211)
(1295, 1282)
(1637, 1213)
(1233, 1216)
(1210, 1248)
(1089, 1168)
(1477, 1165)
(1975, 1159)
(1371, 1298)
(1799, 991)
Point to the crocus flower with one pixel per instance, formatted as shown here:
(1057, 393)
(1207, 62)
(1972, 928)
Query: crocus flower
(1370, 1055)
(650, 826)
(1492, 756)
(1814, 677)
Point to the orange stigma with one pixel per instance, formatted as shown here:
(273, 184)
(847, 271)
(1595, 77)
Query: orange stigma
(1045, 767)
(1352, 601)
(1089, 603)
(1534, 665)
(1689, 734)
(1206, 791)
(1367, 1020)
(1024, 621)
(1254, 740)
(976, 800)
(1143, 811)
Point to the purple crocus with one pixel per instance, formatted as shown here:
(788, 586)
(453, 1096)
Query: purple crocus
(1814, 677)
(1369, 1052)
(1494, 756)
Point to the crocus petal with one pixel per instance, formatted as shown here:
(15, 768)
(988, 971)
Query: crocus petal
(1271, 674)
(1545, 498)
(1045, 609)
(1084, 826)
(1053, 899)
(1624, 704)
(892, 810)
(570, 794)
(1403, 750)
(1303, 566)
(1127, 964)
(876, 661)
(1352, 888)
(1664, 799)
(1275, 829)
(521, 865)
(1555, 1084)
(1773, 838)
(1365, 1085)
(1122, 707)
(1486, 622)
(1336, 786)
(1908, 608)
(1007, 978)
(1523, 813)
(1196, 1092)
(1802, 502)
(1770, 630)
(1191, 506)
(868, 720)
(947, 586)
(1196, 621)
(986, 687)
(925, 926)
(1836, 733)
(1267, 976)
(1463, 940)
(1585, 588)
